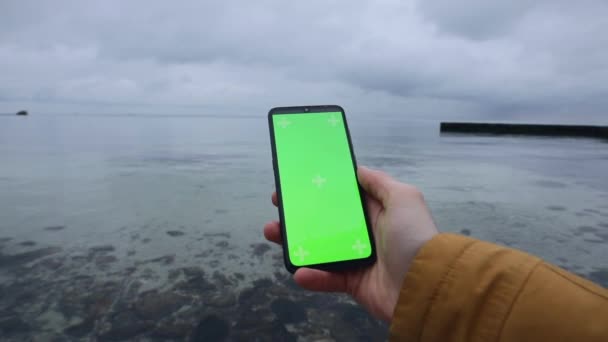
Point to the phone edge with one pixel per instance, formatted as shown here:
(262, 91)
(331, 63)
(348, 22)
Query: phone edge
(334, 266)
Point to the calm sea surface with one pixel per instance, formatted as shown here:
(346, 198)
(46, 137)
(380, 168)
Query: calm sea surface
(124, 227)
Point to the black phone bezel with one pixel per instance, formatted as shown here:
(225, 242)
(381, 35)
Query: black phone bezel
(332, 266)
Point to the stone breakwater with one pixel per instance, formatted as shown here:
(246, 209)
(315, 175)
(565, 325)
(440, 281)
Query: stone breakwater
(525, 129)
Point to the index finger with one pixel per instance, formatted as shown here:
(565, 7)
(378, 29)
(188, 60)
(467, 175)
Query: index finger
(275, 200)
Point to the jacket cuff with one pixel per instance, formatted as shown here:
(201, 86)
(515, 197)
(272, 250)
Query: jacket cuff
(459, 287)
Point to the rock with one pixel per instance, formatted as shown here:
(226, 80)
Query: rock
(320, 338)
(104, 261)
(594, 240)
(210, 329)
(194, 282)
(342, 331)
(81, 329)
(593, 211)
(249, 325)
(164, 260)
(27, 243)
(226, 235)
(12, 324)
(205, 253)
(51, 263)
(259, 295)
(246, 295)
(259, 249)
(518, 225)
(222, 244)
(602, 236)
(172, 329)
(18, 295)
(352, 323)
(174, 274)
(466, 232)
(175, 233)
(599, 276)
(221, 300)
(355, 315)
(22, 113)
(586, 229)
(288, 311)
(102, 249)
(54, 228)
(263, 283)
(124, 326)
(13, 260)
(550, 184)
(154, 305)
(221, 279)
(246, 321)
(192, 272)
(86, 298)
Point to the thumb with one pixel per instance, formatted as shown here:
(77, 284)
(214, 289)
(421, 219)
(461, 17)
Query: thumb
(376, 183)
(317, 280)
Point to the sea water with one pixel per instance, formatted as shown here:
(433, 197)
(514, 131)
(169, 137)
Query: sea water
(150, 227)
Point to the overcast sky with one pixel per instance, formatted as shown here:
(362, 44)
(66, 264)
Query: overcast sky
(532, 60)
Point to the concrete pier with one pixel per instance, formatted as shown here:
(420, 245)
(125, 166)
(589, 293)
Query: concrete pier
(525, 129)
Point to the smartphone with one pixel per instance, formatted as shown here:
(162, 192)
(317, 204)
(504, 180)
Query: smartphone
(324, 222)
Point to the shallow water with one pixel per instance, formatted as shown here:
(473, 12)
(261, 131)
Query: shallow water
(150, 227)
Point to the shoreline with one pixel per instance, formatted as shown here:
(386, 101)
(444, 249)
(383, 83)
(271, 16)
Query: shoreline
(49, 293)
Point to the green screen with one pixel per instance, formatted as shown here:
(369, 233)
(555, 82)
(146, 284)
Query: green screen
(323, 214)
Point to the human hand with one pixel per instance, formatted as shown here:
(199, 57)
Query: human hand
(401, 223)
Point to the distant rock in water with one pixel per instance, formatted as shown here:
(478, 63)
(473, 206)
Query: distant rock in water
(22, 112)
(466, 232)
(54, 228)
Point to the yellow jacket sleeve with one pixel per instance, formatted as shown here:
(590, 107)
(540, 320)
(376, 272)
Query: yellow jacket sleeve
(462, 289)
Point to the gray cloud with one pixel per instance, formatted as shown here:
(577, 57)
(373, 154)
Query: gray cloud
(477, 58)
